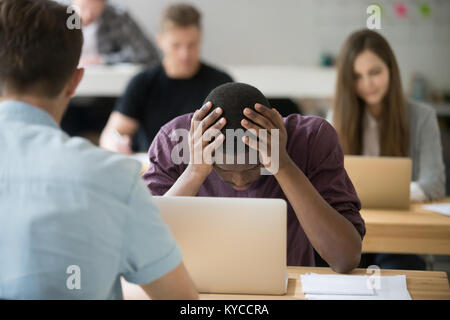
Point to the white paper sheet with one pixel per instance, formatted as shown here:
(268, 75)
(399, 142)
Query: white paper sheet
(348, 287)
(332, 284)
(443, 208)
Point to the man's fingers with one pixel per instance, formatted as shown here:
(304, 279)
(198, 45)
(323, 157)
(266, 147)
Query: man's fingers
(214, 130)
(255, 129)
(273, 115)
(191, 129)
(279, 119)
(213, 146)
(211, 118)
(259, 118)
(270, 114)
(261, 148)
(199, 114)
(202, 112)
(262, 139)
(202, 126)
(252, 143)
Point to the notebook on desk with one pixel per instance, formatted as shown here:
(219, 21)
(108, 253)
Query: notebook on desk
(380, 182)
(230, 245)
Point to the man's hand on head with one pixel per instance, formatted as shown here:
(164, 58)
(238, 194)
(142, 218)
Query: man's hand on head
(205, 125)
(268, 126)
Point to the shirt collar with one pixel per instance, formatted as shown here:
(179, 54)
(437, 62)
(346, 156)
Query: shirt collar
(13, 110)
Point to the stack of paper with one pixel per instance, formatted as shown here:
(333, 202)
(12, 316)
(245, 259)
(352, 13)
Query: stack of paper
(347, 287)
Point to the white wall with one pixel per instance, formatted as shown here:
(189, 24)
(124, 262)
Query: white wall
(287, 32)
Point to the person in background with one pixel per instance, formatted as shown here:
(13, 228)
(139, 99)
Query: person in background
(373, 118)
(74, 218)
(111, 36)
(323, 208)
(176, 86)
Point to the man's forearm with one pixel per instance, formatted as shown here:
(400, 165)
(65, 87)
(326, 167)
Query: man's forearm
(188, 184)
(330, 233)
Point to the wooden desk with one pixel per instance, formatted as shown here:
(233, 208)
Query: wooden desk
(422, 285)
(417, 231)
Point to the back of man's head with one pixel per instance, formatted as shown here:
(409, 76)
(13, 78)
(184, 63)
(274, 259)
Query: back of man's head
(38, 51)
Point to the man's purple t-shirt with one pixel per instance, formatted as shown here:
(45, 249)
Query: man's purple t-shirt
(312, 145)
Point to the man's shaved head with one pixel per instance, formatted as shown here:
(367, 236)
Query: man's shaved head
(233, 98)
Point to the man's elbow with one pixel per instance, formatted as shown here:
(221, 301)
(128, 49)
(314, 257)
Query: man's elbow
(349, 261)
(346, 266)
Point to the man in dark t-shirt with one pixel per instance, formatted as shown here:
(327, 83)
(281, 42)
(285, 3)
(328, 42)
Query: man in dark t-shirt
(177, 85)
(153, 99)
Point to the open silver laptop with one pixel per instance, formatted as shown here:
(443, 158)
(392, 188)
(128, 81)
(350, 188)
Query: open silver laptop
(380, 182)
(230, 245)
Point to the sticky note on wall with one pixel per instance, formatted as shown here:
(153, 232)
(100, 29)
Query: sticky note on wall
(424, 10)
(400, 10)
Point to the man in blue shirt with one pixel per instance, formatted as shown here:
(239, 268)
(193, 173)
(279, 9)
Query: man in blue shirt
(73, 218)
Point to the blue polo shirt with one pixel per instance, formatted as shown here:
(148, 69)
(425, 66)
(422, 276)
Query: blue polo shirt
(73, 217)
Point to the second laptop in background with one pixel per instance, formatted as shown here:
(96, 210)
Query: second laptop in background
(380, 182)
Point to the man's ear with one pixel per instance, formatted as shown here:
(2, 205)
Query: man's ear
(74, 81)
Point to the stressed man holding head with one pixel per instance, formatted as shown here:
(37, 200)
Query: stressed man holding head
(73, 217)
(303, 165)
